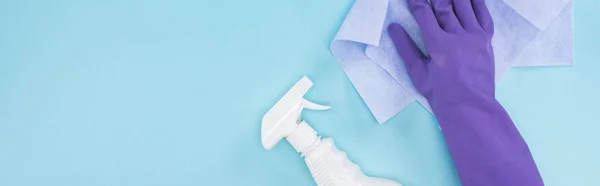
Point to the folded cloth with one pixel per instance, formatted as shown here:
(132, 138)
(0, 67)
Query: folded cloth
(527, 33)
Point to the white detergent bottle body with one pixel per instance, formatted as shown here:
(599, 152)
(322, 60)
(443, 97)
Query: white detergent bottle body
(328, 165)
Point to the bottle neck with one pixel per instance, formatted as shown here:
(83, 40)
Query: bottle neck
(304, 139)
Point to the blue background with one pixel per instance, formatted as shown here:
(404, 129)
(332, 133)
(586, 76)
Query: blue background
(142, 93)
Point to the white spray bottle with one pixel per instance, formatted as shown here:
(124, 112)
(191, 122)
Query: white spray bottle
(328, 165)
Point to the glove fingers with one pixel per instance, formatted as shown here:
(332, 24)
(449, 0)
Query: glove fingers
(465, 14)
(483, 15)
(412, 55)
(444, 13)
(423, 13)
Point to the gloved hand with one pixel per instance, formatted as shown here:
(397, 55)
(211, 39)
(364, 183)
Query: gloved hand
(457, 78)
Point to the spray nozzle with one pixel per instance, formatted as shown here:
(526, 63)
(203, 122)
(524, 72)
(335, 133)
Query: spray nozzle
(283, 118)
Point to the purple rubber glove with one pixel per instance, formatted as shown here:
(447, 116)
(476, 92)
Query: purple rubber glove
(458, 81)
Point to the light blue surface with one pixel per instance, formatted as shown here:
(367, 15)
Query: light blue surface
(171, 93)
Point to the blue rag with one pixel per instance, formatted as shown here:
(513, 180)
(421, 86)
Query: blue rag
(527, 33)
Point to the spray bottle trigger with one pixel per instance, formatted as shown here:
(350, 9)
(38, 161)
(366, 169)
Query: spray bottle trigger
(313, 106)
(284, 117)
